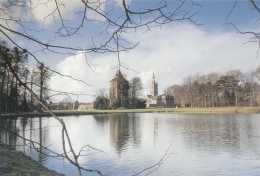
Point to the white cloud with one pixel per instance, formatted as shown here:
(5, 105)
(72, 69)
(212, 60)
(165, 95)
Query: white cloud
(8, 18)
(46, 11)
(172, 53)
(77, 67)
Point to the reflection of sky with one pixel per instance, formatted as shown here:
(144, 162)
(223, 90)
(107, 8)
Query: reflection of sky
(198, 144)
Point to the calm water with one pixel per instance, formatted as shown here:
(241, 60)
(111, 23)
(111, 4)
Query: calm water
(189, 144)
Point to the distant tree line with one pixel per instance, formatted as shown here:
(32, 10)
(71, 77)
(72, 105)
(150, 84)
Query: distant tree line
(14, 97)
(233, 88)
(133, 101)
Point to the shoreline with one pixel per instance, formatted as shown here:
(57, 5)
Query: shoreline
(209, 110)
(13, 162)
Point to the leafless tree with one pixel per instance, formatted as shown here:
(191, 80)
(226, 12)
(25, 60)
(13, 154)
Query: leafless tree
(257, 73)
(111, 20)
(41, 77)
(236, 73)
(18, 21)
(101, 100)
(249, 83)
(135, 87)
(255, 35)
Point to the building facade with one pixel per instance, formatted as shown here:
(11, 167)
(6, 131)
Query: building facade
(85, 106)
(118, 89)
(158, 101)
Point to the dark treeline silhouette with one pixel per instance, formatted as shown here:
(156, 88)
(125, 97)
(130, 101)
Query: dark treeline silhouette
(14, 97)
(233, 88)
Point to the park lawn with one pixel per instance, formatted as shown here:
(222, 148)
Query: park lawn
(208, 110)
(221, 110)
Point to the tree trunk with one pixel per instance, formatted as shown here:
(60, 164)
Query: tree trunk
(16, 96)
(41, 88)
(31, 94)
(236, 99)
(7, 91)
(2, 91)
(251, 99)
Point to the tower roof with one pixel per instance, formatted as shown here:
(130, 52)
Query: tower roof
(118, 76)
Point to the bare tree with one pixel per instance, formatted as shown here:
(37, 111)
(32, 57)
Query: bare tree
(25, 73)
(255, 35)
(101, 101)
(41, 78)
(257, 73)
(236, 73)
(114, 19)
(2, 78)
(9, 85)
(249, 84)
(135, 87)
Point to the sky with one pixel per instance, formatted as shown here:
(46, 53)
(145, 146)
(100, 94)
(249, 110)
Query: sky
(173, 51)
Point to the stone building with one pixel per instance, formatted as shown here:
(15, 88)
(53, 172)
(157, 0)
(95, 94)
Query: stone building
(85, 106)
(118, 89)
(158, 101)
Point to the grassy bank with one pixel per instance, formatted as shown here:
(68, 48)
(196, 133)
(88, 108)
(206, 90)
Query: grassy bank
(14, 163)
(216, 110)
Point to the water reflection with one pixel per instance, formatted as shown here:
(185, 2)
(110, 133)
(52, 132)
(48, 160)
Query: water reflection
(224, 133)
(8, 138)
(202, 144)
(122, 128)
(18, 133)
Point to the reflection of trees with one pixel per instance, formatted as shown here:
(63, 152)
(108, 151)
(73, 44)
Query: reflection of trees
(40, 139)
(23, 124)
(123, 127)
(216, 133)
(210, 133)
(5, 136)
(18, 133)
(102, 120)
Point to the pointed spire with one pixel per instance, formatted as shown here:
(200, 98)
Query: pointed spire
(153, 75)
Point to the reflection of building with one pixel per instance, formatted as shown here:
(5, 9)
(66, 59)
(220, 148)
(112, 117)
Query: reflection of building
(124, 129)
(119, 131)
(155, 100)
(118, 89)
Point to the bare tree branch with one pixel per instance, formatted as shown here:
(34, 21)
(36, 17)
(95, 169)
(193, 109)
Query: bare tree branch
(155, 166)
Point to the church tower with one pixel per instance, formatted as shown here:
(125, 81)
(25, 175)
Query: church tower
(118, 89)
(153, 87)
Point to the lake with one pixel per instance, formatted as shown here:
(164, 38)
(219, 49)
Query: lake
(144, 143)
